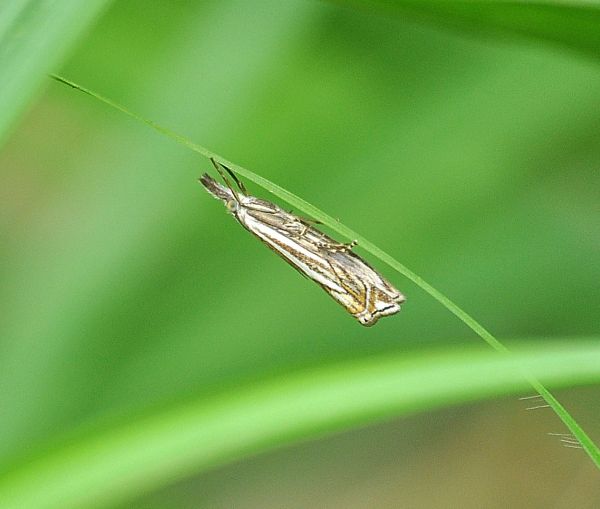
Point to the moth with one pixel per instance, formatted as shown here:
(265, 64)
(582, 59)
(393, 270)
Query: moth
(345, 276)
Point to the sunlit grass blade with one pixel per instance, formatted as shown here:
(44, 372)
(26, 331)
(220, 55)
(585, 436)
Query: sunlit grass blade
(34, 37)
(571, 24)
(119, 464)
(337, 226)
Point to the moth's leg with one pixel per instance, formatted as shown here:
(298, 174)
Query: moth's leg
(296, 227)
(219, 165)
(339, 246)
(292, 227)
(305, 219)
(309, 220)
(319, 238)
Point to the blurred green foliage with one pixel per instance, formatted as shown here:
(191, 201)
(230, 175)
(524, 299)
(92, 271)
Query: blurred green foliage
(35, 35)
(126, 289)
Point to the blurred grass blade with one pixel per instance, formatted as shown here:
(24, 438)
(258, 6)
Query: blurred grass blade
(337, 226)
(35, 35)
(120, 464)
(573, 24)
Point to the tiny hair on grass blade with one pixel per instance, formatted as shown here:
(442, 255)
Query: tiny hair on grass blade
(345, 276)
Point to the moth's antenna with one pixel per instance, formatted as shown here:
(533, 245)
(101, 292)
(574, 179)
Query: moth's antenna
(224, 177)
(233, 175)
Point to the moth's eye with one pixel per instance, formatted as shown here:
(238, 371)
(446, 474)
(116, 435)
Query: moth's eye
(231, 205)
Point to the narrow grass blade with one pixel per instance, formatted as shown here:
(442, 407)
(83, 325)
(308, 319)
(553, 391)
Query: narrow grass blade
(297, 202)
(574, 24)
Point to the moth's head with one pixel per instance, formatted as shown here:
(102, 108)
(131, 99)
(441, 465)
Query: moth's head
(220, 192)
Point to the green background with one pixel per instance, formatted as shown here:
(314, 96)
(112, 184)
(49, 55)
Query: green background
(469, 153)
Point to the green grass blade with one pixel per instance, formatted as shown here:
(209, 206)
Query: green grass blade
(118, 464)
(35, 35)
(568, 23)
(337, 226)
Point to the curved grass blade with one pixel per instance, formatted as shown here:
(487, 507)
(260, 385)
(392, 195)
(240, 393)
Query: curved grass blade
(301, 204)
(573, 24)
(116, 465)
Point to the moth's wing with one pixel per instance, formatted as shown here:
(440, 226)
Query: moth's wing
(292, 225)
(304, 256)
(353, 296)
(368, 295)
(346, 277)
(376, 279)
